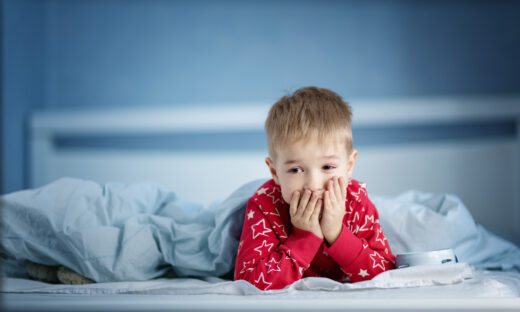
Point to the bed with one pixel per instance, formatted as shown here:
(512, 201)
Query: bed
(177, 147)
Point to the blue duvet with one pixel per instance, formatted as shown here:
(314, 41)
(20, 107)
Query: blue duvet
(118, 232)
(134, 232)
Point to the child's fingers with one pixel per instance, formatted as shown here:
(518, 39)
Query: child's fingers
(317, 209)
(330, 187)
(332, 191)
(293, 207)
(310, 206)
(303, 202)
(343, 186)
(326, 200)
(337, 190)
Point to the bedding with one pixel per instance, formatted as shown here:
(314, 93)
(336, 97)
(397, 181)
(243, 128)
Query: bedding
(120, 232)
(490, 284)
(411, 289)
(137, 232)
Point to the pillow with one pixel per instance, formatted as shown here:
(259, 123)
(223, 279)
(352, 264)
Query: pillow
(418, 221)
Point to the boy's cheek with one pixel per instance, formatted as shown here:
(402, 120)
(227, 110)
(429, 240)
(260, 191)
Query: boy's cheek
(286, 199)
(287, 195)
(287, 190)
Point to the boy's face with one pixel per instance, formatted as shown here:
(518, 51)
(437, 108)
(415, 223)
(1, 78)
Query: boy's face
(306, 164)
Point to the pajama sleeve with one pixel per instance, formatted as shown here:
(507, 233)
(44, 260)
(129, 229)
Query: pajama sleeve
(268, 257)
(362, 250)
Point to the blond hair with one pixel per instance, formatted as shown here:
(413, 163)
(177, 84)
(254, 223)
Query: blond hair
(309, 111)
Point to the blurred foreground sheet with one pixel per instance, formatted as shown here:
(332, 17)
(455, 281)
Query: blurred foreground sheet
(458, 280)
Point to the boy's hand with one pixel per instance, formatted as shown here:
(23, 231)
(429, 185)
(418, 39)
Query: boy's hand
(333, 209)
(305, 212)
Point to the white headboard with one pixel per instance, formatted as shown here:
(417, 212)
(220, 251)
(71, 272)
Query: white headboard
(480, 163)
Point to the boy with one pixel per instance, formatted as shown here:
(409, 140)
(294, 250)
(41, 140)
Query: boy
(311, 219)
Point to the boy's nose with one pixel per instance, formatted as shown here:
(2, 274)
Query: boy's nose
(314, 184)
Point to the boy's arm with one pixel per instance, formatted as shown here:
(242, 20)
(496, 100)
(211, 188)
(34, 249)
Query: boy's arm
(362, 250)
(263, 259)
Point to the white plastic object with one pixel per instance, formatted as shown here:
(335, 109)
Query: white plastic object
(427, 257)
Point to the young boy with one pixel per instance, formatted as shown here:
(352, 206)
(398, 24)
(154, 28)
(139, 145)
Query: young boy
(311, 219)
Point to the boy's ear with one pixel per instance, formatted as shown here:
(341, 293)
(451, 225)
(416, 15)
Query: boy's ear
(270, 164)
(351, 162)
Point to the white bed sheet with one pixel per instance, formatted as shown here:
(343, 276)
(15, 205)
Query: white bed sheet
(458, 285)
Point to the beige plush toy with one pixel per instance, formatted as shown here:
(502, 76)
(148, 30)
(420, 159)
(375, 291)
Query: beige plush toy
(55, 274)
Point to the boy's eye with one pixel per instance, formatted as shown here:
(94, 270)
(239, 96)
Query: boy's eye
(328, 167)
(295, 170)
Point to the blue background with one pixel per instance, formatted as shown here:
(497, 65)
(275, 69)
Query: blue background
(59, 54)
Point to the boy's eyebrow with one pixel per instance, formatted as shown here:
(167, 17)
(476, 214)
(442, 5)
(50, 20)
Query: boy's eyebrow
(330, 157)
(292, 161)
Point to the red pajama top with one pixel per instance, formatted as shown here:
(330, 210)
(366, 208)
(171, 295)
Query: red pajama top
(273, 254)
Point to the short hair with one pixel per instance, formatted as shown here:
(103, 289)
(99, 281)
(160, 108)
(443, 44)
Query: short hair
(308, 111)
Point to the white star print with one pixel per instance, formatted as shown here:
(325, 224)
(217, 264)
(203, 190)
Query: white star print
(358, 193)
(363, 273)
(288, 252)
(261, 191)
(350, 223)
(378, 261)
(283, 234)
(276, 213)
(262, 279)
(245, 266)
(264, 244)
(273, 265)
(380, 237)
(350, 209)
(300, 270)
(250, 214)
(364, 226)
(274, 196)
(262, 231)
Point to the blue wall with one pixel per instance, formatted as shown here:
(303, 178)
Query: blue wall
(93, 53)
(22, 84)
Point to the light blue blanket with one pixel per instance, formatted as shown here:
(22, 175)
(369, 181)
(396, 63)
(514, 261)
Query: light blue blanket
(117, 232)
